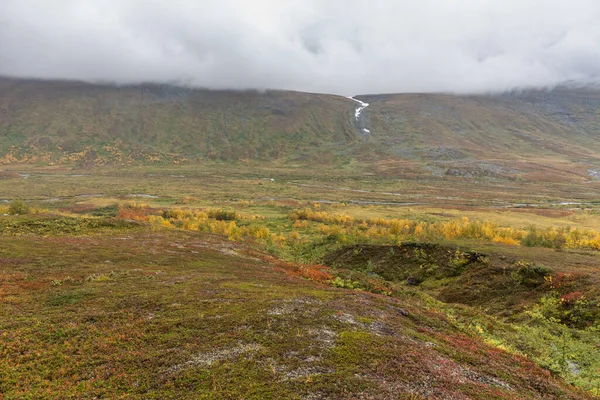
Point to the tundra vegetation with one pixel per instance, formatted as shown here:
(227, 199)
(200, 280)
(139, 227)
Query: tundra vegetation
(205, 286)
(160, 242)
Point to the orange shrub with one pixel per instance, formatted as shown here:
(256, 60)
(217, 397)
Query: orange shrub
(571, 298)
(138, 212)
(316, 273)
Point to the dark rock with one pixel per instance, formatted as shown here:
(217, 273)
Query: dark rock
(412, 281)
(400, 311)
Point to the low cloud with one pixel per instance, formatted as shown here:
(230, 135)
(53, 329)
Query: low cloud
(334, 46)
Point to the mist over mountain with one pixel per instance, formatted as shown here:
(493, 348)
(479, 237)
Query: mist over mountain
(341, 46)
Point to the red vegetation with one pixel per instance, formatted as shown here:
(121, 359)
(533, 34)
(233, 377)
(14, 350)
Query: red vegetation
(571, 298)
(134, 213)
(316, 273)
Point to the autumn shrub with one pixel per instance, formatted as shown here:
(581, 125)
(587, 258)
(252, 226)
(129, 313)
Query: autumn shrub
(223, 215)
(571, 309)
(345, 283)
(458, 261)
(134, 211)
(428, 265)
(174, 213)
(345, 229)
(563, 281)
(157, 220)
(259, 232)
(571, 298)
(298, 224)
(320, 216)
(529, 274)
(225, 228)
(397, 230)
(18, 207)
(316, 273)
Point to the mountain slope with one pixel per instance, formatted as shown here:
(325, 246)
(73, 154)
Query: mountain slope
(548, 133)
(148, 122)
(563, 123)
(533, 134)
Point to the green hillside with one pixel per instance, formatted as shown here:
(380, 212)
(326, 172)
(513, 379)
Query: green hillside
(562, 124)
(71, 121)
(533, 135)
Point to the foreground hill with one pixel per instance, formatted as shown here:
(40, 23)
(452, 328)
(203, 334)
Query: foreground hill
(165, 314)
(526, 135)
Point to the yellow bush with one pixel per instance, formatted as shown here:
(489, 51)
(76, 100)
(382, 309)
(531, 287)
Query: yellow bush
(506, 240)
(320, 216)
(260, 232)
(419, 229)
(300, 224)
(190, 224)
(346, 228)
(294, 235)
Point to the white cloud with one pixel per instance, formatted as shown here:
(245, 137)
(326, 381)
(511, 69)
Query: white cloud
(339, 46)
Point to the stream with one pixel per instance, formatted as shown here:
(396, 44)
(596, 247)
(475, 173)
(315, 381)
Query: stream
(357, 112)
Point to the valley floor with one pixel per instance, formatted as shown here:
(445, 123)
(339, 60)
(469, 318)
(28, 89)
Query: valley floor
(211, 282)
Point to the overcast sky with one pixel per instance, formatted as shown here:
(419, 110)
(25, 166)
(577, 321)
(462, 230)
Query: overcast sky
(335, 46)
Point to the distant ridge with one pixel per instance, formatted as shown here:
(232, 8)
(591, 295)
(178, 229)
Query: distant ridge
(65, 122)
